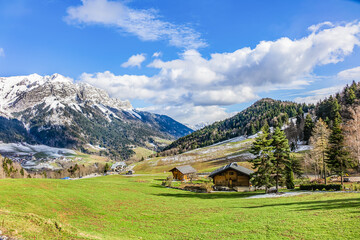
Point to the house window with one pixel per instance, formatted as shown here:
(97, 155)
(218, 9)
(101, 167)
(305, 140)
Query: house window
(231, 173)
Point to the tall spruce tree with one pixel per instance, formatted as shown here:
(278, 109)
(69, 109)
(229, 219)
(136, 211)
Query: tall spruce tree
(281, 153)
(338, 156)
(350, 96)
(262, 162)
(308, 127)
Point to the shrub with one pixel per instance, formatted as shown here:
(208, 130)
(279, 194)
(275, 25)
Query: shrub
(168, 181)
(313, 187)
(300, 181)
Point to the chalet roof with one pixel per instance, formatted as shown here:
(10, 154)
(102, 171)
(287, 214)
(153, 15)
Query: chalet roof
(118, 164)
(233, 166)
(184, 169)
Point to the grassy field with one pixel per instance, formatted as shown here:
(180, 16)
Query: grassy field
(120, 207)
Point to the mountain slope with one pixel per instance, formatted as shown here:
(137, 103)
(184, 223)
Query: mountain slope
(247, 122)
(52, 110)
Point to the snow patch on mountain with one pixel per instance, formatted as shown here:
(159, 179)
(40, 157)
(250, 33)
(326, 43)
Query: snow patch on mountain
(54, 93)
(25, 149)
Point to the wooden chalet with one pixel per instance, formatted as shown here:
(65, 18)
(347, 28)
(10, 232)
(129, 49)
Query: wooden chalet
(232, 175)
(182, 173)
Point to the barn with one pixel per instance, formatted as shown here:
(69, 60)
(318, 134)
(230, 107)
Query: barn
(232, 175)
(182, 173)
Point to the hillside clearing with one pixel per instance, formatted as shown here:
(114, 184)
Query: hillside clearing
(119, 207)
(203, 159)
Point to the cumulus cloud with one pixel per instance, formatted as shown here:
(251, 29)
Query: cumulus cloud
(134, 61)
(350, 74)
(145, 24)
(191, 114)
(2, 52)
(229, 78)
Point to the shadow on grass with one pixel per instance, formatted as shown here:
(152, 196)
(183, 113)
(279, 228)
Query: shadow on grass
(157, 186)
(222, 195)
(317, 205)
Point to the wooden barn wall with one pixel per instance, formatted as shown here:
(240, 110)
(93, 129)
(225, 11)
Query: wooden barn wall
(233, 177)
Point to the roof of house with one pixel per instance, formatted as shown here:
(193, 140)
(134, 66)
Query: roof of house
(233, 166)
(184, 169)
(118, 164)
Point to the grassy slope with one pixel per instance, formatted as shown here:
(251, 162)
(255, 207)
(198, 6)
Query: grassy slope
(203, 159)
(119, 207)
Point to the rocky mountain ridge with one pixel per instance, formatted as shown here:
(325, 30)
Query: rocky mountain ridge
(55, 111)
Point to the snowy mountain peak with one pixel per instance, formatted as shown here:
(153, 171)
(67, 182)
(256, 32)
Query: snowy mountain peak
(55, 111)
(53, 93)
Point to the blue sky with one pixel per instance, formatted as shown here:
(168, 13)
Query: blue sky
(192, 60)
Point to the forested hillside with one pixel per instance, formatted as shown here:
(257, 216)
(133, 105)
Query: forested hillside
(248, 122)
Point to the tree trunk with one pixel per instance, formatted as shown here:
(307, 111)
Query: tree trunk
(324, 167)
(341, 174)
(277, 178)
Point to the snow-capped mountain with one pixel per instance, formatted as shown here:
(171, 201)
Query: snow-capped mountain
(55, 92)
(54, 110)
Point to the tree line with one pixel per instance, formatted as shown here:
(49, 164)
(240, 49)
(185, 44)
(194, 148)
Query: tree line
(331, 128)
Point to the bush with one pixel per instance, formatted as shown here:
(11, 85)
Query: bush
(313, 187)
(168, 181)
(303, 180)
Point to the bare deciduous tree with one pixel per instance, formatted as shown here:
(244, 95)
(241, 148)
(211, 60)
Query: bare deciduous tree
(352, 134)
(320, 141)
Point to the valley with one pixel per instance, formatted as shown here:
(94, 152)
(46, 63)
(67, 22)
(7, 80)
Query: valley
(179, 120)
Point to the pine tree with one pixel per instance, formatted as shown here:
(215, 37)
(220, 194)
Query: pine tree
(290, 179)
(338, 157)
(308, 127)
(350, 96)
(281, 154)
(262, 149)
(252, 130)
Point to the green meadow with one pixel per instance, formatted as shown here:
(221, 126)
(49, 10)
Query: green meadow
(120, 207)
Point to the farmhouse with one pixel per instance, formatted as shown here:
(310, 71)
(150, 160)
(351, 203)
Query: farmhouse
(231, 175)
(118, 166)
(182, 173)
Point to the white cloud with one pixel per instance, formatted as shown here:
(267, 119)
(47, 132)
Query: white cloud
(191, 114)
(350, 74)
(134, 61)
(319, 94)
(145, 24)
(157, 54)
(2, 52)
(229, 78)
(316, 27)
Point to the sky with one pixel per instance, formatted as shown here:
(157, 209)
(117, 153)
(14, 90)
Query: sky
(195, 61)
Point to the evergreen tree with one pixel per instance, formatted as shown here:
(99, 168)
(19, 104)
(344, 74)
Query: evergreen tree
(290, 179)
(334, 108)
(281, 153)
(252, 130)
(293, 167)
(106, 167)
(350, 96)
(262, 162)
(308, 127)
(338, 157)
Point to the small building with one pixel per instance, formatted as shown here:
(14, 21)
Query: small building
(183, 173)
(118, 166)
(231, 175)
